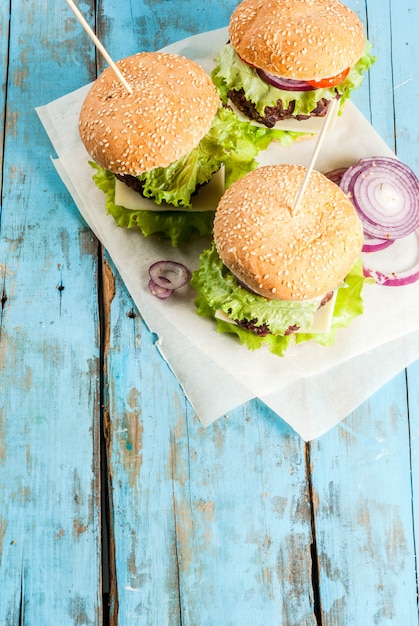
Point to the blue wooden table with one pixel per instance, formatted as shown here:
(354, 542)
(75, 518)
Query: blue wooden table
(116, 505)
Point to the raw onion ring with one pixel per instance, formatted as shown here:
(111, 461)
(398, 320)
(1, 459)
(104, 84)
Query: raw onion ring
(169, 274)
(158, 291)
(372, 244)
(166, 277)
(385, 193)
(397, 267)
(287, 84)
(393, 279)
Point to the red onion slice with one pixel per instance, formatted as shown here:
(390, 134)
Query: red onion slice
(395, 267)
(169, 274)
(372, 244)
(385, 192)
(393, 279)
(158, 291)
(166, 276)
(287, 84)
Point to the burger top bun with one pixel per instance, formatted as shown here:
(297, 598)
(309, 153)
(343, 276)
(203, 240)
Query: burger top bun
(171, 108)
(280, 254)
(297, 39)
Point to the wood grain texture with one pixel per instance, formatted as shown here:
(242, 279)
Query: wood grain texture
(362, 469)
(49, 348)
(364, 525)
(132, 26)
(413, 408)
(4, 45)
(209, 525)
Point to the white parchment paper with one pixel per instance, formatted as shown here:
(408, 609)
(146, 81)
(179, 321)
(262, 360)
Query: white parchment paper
(312, 387)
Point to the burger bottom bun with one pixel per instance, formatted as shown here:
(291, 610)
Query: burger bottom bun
(280, 253)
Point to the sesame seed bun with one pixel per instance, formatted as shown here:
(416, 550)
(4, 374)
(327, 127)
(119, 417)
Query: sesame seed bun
(297, 39)
(281, 255)
(170, 110)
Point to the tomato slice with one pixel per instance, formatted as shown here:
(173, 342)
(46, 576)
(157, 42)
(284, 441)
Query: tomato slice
(329, 82)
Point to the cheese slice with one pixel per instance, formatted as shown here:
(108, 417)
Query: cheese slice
(321, 321)
(311, 126)
(206, 199)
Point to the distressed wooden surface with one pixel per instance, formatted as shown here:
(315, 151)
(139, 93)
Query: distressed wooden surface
(237, 524)
(50, 540)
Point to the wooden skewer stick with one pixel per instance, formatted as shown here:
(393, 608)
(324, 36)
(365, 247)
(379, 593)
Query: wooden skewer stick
(329, 115)
(99, 45)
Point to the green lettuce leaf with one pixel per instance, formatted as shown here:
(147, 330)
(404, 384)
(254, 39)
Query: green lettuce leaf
(232, 73)
(348, 306)
(178, 226)
(241, 142)
(218, 289)
(229, 142)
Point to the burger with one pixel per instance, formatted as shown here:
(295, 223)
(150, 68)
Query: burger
(279, 273)
(164, 153)
(287, 59)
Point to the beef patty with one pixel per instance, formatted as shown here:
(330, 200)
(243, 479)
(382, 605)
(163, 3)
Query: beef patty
(274, 114)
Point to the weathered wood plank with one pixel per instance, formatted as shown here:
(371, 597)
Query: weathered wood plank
(364, 526)
(224, 510)
(4, 46)
(405, 73)
(49, 346)
(132, 26)
(413, 406)
(248, 522)
(361, 473)
(138, 410)
(377, 100)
